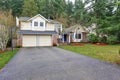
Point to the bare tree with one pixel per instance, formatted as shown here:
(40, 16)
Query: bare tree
(6, 21)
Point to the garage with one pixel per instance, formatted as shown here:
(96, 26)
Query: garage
(45, 41)
(36, 40)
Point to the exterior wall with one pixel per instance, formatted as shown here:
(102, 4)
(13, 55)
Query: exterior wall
(55, 39)
(77, 40)
(71, 37)
(19, 40)
(85, 37)
(50, 27)
(30, 25)
(25, 26)
(38, 28)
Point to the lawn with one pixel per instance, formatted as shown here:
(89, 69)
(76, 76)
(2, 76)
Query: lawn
(109, 53)
(5, 57)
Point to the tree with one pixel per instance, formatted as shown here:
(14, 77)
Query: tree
(79, 10)
(69, 13)
(6, 21)
(29, 8)
(16, 6)
(5, 4)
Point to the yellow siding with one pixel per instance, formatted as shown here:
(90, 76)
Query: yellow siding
(50, 27)
(39, 28)
(26, 26)
(38, 18)
(30, 25)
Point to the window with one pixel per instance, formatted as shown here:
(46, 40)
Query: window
(35, 23)
(41, 24)
(78, 36)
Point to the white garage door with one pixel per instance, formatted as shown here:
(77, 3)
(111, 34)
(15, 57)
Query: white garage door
(45, 41)
(36, 40)
(29, 41)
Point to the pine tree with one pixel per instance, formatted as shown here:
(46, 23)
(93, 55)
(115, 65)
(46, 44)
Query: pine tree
(29, 8)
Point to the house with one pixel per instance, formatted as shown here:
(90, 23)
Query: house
(76, 33)
(37, 31)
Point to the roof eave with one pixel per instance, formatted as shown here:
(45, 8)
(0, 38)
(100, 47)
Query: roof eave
(36, 16)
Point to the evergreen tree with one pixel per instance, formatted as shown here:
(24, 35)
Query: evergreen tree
(16, 6)
(29, 8)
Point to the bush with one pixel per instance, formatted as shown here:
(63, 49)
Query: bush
(112, 39)
(103, 39)
(93, 38)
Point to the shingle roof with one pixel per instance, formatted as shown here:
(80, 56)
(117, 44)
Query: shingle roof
(24, 18)
(74, 28)
(29, 18)
(36, 32)
(53, 21)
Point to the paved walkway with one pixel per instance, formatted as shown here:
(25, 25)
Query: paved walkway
(57, 64)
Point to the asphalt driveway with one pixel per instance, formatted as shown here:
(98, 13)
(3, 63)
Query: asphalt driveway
(57, 64)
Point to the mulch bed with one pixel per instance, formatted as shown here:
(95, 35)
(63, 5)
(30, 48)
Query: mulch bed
(1, 52)
(100, 44)
(77, 44)
(4, 51)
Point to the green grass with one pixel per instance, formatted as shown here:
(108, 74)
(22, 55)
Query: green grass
(109, 53)
(5, 57)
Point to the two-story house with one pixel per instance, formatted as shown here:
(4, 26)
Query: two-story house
(37, 31)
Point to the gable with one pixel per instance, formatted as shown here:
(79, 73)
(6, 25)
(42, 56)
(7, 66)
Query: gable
(76, 28)
(38, 17)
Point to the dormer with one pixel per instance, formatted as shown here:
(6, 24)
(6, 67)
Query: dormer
(38, 23)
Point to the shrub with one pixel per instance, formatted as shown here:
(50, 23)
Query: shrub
(111, 39)
(93, 38)
(103, 39)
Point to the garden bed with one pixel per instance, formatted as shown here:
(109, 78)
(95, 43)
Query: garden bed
(77, 44)
(101, 44)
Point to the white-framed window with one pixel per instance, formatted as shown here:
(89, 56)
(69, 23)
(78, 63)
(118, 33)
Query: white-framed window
(35, 23)
(41, 24)
(78, 36)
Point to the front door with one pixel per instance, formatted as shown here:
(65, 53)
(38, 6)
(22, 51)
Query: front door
(65, 37)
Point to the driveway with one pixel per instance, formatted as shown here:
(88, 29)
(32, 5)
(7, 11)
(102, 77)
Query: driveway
(51, 63)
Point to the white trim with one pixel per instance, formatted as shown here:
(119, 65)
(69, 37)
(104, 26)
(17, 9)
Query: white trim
(17, 21)
(69, 38)
(61, 28)
(78, 40)
(37, 16)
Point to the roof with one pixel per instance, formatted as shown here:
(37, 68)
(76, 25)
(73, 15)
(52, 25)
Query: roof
(75, 28)
(37, 16)
(36, 32)
(53, 21)
(24, 18)
(29, 18)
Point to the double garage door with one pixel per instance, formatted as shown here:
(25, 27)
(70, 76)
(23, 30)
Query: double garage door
(36, 40)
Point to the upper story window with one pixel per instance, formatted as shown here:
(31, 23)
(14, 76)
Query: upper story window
(35, 23)
(41, 24)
